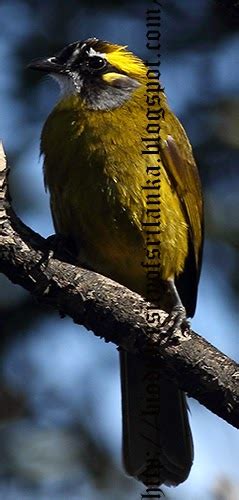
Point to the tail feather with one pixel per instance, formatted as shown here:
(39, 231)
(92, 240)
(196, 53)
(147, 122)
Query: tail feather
(157, 440)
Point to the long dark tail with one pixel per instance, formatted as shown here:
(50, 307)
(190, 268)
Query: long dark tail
(157, 440)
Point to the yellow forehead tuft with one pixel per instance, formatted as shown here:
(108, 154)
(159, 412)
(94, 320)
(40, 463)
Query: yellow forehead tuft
(125, 61)
(119, 57)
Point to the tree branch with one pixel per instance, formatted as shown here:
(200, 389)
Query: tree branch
(115, 313)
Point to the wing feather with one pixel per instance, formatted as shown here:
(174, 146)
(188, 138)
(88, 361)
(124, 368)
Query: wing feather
(183, 173)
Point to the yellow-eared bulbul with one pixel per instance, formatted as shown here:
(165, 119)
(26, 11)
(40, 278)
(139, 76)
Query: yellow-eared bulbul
(125, 189)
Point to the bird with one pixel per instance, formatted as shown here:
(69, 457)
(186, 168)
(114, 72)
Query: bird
(103, 160)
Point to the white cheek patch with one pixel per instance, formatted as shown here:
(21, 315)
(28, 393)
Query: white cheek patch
(67, 84)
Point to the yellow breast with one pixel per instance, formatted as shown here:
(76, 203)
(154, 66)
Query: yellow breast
(98, 179)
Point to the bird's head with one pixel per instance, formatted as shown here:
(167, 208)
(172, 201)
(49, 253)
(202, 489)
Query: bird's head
(104, 74)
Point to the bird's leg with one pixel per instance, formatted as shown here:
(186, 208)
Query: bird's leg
(177, 316)
(61, 247)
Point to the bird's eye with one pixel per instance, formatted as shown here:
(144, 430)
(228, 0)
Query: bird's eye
(96, 62)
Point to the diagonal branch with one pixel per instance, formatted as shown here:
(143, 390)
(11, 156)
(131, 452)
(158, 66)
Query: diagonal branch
(115, 313)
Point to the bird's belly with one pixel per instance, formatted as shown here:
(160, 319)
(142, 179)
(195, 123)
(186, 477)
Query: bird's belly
(110, 242)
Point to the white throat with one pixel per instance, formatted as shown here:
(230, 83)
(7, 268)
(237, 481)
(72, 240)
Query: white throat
(67, 84)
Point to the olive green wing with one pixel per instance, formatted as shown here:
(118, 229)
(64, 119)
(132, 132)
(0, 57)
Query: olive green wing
(178, 161)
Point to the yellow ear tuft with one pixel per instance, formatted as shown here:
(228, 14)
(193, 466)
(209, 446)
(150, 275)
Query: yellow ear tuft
(120, 81)
(127, 62)
(112, 77)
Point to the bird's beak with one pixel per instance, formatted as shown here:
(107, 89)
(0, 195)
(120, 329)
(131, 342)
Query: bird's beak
(48, 65)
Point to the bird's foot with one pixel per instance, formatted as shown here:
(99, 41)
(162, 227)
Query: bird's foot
(61, 248)
(176, 320)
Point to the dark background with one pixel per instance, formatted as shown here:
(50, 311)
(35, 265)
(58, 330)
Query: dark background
(60, 424)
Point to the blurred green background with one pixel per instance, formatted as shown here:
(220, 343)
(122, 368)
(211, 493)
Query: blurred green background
(60, 423)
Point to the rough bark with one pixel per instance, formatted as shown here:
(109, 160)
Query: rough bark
(115, 313)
